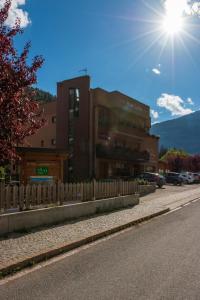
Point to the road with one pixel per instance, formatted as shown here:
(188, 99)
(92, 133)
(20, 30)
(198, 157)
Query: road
(159, 259)
(169, 190)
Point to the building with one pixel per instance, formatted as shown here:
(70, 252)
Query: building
(41, 160)
(45, 137)
(106, 134)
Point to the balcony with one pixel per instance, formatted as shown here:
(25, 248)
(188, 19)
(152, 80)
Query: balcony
(119, 153)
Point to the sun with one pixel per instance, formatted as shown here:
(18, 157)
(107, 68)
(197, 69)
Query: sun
(172, 25)
(173, 20)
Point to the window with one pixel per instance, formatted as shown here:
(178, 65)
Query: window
(53, 119)
(71, 139)
(74, 99)
(53, 142)
(70, 165)
(104, 117)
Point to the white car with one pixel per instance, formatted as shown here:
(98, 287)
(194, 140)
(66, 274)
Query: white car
(187, 177)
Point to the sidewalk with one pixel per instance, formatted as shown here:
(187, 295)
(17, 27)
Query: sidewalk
(20, 250)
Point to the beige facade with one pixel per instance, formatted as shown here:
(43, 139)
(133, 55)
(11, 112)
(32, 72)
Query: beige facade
(124, 146)
(45, 136)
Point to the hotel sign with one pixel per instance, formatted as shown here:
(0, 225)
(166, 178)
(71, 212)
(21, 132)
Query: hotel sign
(42, 171)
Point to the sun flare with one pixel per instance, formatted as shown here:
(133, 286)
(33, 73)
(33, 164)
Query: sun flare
(173, 20)
(172, 25)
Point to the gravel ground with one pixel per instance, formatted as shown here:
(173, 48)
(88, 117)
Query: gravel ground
(17, 247)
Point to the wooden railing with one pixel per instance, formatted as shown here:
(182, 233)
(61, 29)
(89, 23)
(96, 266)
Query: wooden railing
(37, 196)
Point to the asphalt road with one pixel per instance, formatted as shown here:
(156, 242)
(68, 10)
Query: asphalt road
(159, 259)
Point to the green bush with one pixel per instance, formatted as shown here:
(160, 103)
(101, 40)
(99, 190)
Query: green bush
(142, 182)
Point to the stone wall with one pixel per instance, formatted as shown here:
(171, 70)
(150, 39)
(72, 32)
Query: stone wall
(146, 189)
(49, 216)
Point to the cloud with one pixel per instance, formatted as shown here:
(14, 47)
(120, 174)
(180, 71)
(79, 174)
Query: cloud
(156, 71)
(189, 100)
(174, 104)
(16, 12)
(195, 10)
(182, 7)
(154, 114)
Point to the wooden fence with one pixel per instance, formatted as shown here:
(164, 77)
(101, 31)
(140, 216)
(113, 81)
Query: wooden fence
(37, 196)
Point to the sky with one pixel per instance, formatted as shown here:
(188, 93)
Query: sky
(148, 50)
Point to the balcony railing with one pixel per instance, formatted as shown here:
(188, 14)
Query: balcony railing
(121, 153)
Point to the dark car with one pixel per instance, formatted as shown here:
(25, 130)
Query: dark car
(174, 178)
(156, 178)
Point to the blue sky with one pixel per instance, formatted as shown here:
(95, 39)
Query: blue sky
(120, 44)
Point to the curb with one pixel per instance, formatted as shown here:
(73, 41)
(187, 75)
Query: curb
(30, 261)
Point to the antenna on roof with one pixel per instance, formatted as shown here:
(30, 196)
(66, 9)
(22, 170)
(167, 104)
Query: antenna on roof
(85, 71)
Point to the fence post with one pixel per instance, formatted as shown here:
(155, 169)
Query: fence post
(28, 196)
(59, 192)
(62, 195)
(94, 190)
(21, 197)
(119, 187)
(2, 195)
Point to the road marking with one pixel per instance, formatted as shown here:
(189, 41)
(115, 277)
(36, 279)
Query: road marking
(186, 204)
(183, 205)
(195, 200)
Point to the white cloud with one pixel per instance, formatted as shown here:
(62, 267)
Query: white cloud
(174, 104)
(16, 12)
(195, 10)
(156, 71)
(189, 100)
(154, 114)
(182, 7)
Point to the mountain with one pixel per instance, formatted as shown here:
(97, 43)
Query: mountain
(181, 133)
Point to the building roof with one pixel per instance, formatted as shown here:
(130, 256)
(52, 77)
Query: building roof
(74, 78)
(103, 90)
(119, 93)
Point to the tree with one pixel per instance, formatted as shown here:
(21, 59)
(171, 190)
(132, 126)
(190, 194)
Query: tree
(42, 96)
(162, 151)
(19, 113)
(176, 159)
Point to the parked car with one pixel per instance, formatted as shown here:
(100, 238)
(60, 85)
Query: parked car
(153, 178)
(174, 178)
(196, 177)
(187, 177)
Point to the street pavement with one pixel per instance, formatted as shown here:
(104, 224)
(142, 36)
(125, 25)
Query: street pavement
(159, 259)
(18, 247)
